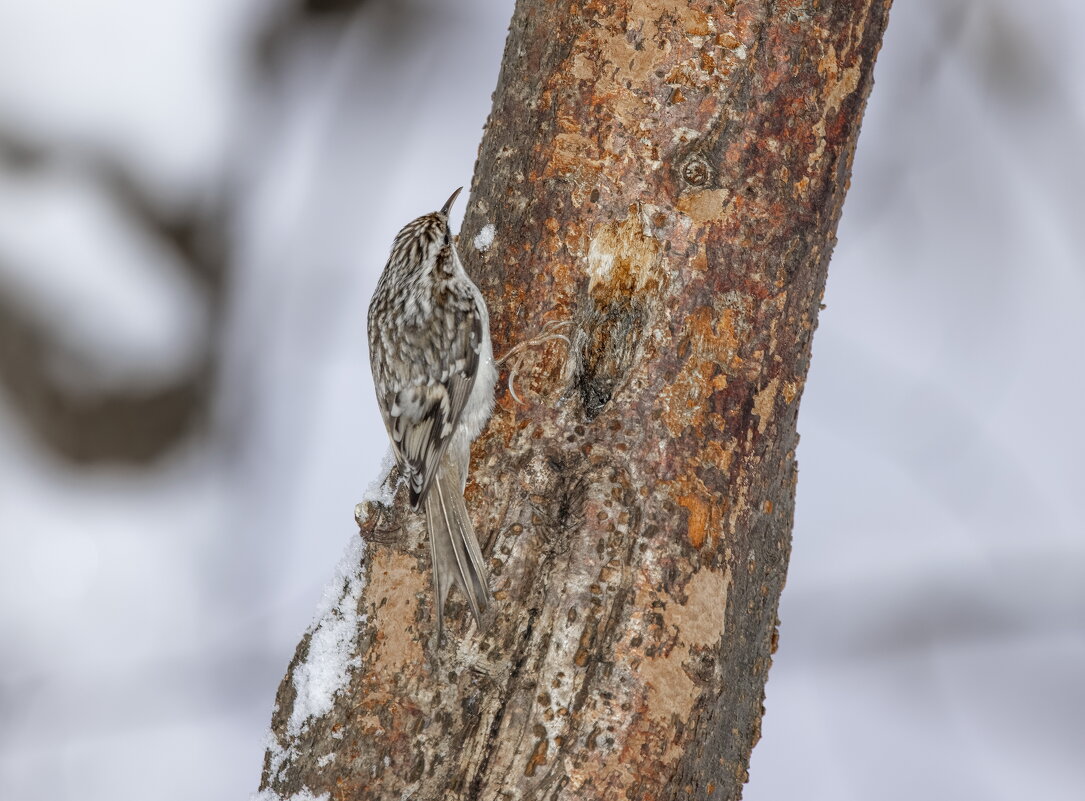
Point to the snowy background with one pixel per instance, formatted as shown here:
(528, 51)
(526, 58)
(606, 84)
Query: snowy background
(196, 197)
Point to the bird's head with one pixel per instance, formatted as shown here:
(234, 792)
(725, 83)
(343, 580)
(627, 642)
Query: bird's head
(421, 241)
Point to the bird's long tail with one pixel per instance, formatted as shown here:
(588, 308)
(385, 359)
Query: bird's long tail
(456, 556)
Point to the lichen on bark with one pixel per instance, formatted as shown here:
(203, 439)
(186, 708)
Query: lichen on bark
(665, 177)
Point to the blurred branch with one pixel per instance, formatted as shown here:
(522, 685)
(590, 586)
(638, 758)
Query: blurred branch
(122, 424)
(292, 22)
(196, 232)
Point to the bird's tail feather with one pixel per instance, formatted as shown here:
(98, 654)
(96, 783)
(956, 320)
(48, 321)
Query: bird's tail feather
(453, 548)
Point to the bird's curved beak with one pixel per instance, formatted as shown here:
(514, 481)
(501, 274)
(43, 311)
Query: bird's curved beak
(447, 207)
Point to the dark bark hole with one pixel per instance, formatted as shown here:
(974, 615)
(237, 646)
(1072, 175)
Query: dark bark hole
(608, 344)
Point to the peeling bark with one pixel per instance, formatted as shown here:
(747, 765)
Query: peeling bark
(666, 176)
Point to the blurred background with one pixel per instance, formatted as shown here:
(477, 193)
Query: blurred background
(196, 198)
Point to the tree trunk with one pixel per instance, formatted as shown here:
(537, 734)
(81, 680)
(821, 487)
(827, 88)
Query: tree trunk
(666, 177)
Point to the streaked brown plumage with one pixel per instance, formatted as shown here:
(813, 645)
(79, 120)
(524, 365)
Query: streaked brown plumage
(434, 374)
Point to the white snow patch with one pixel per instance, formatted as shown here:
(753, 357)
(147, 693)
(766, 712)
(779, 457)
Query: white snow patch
(326, 668)
(278, 755)
(326, 760)
(485, 238)
(120, 302)
(377, 491)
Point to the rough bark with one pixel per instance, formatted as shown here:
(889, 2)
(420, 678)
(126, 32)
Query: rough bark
(667, 176)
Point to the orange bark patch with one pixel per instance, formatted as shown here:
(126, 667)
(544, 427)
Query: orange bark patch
(538, 757)
(392, 595)
(712, 344)
(707, 206)
(698, 518)
(763, 404)
(699, 623)
(613, 63)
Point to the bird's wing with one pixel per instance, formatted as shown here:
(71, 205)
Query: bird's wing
(422, 415)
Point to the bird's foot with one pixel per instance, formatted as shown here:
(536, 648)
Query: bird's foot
(551, 331)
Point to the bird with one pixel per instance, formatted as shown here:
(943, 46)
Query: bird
(434, 375)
